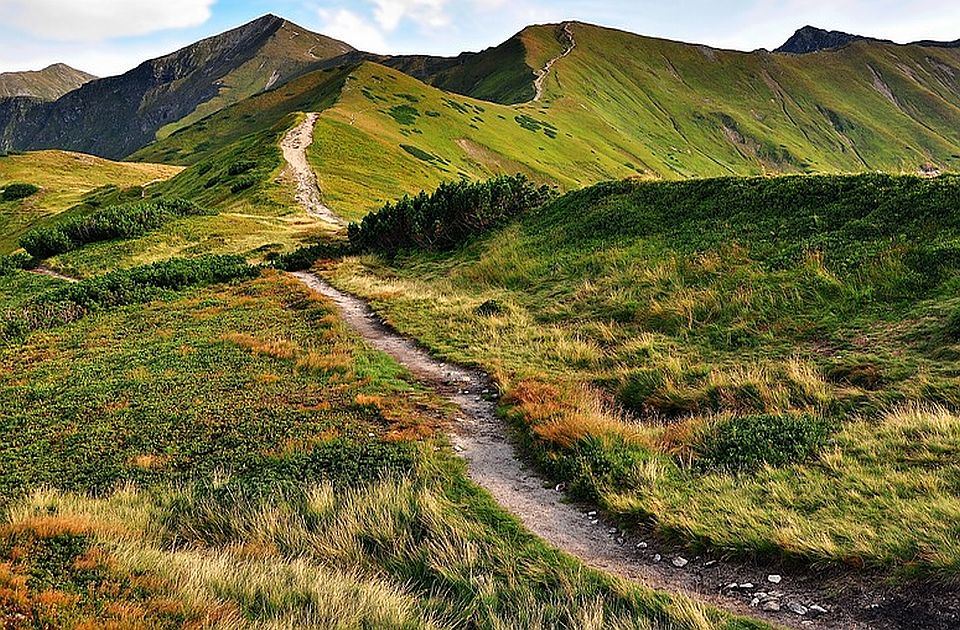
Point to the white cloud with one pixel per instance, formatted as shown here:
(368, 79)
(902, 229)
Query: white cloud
(98, 20)
(426, 13)
(349, 27)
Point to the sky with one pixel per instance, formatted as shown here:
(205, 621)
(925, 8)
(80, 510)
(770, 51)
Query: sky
(108, 37)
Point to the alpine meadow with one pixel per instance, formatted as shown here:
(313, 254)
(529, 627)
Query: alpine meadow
(585, 330)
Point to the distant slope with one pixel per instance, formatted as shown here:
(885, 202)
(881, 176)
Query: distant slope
(810, 39)
(116, 116)
(498, 74)
(617, 106)
(48, 84)
(64, 180)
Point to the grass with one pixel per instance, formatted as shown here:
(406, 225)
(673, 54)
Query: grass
(641, 330)
(618, 106)
(65, 179)
(233, 456)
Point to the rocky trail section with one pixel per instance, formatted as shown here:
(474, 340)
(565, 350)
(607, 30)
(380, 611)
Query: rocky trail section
(800, 599)
(294, 146)
(570, 46)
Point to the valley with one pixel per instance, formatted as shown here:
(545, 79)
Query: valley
(584, 330)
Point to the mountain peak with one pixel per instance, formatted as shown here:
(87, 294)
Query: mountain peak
(48, 84)
(811, 39)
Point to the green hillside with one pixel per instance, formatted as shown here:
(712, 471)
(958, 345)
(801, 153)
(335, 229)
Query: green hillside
(619, 105)
(759, 365)
(65, 180)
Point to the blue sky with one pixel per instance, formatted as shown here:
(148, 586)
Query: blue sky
(111, 36)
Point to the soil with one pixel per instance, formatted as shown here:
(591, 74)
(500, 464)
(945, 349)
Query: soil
(294, 146)
(542, 75)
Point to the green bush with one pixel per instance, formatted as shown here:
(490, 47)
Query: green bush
(303, 258)
(13, 192)
(122, 221)
(745, 443)
(121, 287)
(447, 218)
(13, 262)
(240, 167)
(243, 183)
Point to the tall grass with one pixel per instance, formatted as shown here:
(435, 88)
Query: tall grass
(641, 327)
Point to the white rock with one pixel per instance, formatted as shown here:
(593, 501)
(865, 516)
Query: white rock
(818, 610)
(797, 609)
(657, 558)
(641, 545)
(747, 586)
(774, 579)
(680, 562)
(771, 606)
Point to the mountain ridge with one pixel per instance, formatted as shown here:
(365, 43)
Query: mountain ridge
(48, 84)
(811, 39)
(115, 116)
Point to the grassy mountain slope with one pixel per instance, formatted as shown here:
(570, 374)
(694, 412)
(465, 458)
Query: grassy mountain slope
(114, 117)
(65, 179)
(784, 350)
(618, 106)
(499, 74)
(698, 111)
(48, 84)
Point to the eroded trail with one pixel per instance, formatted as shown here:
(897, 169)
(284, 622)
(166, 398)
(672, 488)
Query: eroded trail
(544, 72)
(294, 146)
(481, 437)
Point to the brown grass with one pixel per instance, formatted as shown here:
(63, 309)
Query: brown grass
(276, 348)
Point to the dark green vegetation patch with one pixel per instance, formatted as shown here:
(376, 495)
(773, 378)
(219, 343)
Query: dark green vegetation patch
(17, 191)
(448, 217)
(745, 443)
(123, 221)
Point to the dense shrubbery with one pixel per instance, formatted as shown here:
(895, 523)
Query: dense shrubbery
(123, 221)
(304, 257)
(448, 217)
(743, 444)
(239, 167)
(13, 192)
(243, 183)
(13, 262)
(849, 219)
(117, 288)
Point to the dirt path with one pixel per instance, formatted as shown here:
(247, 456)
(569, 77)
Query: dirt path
(294, 146)
(545, 71)
(46, 271)
(801, 599)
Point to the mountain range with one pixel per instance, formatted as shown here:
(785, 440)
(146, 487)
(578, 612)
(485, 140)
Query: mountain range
(613, 104)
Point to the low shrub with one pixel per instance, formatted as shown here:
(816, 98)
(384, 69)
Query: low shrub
(240, 167)
(303, 258)
(448, 217)
(14, 262)
(243, 183)
(490, 308)
(121, 221)
(745, 443)
(121, 287)
(16, 191)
